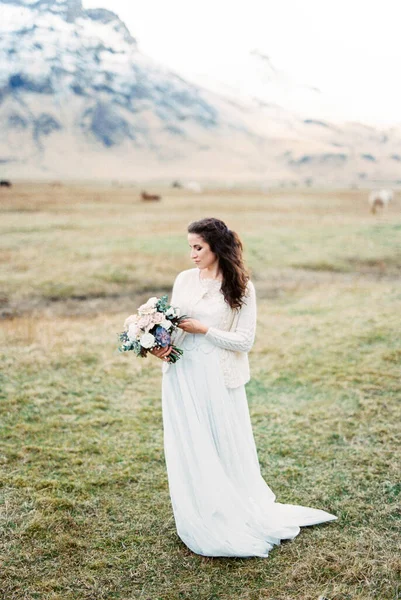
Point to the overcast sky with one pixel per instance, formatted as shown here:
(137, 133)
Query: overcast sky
(349, 49)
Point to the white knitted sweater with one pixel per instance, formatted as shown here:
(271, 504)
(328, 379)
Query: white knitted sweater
(236, 332)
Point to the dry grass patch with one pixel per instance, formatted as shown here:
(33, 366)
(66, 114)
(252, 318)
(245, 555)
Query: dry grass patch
(85, 510)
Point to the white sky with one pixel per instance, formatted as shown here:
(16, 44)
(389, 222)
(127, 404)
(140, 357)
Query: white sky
(349, 49)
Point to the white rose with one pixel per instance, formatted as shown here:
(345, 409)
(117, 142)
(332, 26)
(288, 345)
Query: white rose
(149, 307)
(129, 320)
(147, 340)
(166, 324)
(133, 331)
(170, 312)
(146, 311)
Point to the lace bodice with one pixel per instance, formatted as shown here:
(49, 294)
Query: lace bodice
(210, 309)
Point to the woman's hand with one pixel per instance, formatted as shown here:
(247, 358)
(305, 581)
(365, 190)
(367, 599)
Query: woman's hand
(162, 353)
(192, 326)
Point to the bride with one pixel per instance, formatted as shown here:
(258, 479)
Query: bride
(222, 506)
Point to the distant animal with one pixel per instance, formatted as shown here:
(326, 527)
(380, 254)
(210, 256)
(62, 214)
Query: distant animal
(380, 199)
(5, 183)
(149, 197)
(176, 184)
(194, 186)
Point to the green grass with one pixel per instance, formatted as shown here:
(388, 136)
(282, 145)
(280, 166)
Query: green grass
(85, 509)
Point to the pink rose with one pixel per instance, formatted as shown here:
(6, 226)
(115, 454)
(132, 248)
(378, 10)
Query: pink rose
(157, 318)
(144, 321)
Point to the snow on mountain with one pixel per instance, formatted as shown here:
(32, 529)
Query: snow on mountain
(254, 79)
(79, 100)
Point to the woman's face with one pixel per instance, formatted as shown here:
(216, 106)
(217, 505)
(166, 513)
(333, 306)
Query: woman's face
(201, 254)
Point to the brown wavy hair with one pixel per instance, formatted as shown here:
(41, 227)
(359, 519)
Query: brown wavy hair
(228, 248)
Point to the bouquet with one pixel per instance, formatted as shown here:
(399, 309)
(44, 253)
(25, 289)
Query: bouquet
(151, 328)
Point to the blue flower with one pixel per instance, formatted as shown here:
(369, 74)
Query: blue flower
(162, 336)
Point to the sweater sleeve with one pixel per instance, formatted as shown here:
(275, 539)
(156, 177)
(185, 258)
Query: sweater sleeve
(242, 339)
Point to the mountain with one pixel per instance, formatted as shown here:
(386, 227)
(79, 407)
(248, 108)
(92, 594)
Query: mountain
(79, 100)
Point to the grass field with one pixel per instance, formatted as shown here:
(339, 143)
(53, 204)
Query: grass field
(85, 509)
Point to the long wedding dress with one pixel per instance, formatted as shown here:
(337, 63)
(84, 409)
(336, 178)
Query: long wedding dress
(222, 506)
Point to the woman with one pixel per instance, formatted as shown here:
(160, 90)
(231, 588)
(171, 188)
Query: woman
(222, 505)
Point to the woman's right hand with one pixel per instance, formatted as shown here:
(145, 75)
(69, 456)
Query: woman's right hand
(162, 353)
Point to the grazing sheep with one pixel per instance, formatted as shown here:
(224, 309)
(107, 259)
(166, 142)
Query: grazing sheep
(149, 197)
(194, 186)
(380, 199)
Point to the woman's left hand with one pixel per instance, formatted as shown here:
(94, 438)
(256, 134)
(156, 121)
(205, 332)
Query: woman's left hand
(193, 326)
